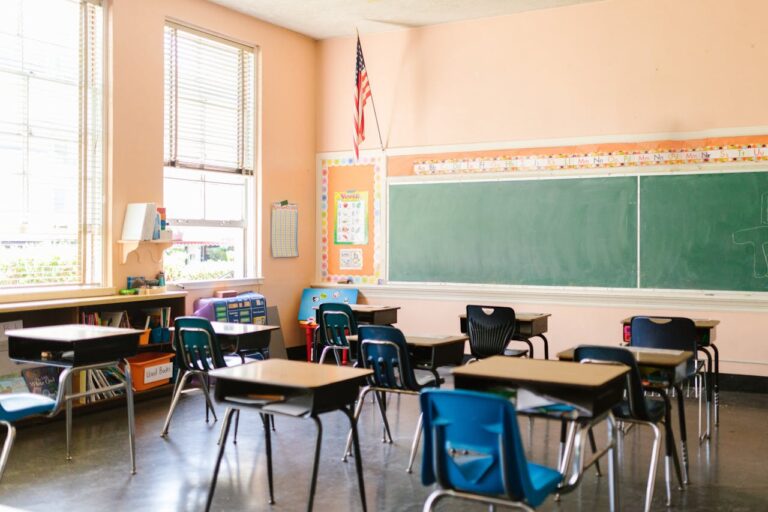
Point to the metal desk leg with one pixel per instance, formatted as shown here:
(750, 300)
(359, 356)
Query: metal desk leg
(313, 483)
(68, 403)
(717, 383)
(224, 432)
(546, 345)
(613, 465)
(683, 436)
(268, 442)
(708, 388)
(358, 458)
(131, 421)
(671, 449)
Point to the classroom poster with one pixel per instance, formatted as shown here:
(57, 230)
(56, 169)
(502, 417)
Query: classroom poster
(351, 259)
(351, 218)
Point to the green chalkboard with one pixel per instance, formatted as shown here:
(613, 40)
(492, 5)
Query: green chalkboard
(704, 231)
(558, 232)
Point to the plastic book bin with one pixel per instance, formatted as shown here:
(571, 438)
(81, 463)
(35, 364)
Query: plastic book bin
(151, 369)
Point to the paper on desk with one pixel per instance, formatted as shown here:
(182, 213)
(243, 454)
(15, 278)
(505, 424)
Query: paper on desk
(527, 400)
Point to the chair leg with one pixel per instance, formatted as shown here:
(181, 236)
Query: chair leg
(225, 431)
(174, 402)
(593, 446)
(358, 459)
(381, 399)
(6, 446)
(415, 444)
(208, 402)
(358, 409)
(652, 469)
(323, 353)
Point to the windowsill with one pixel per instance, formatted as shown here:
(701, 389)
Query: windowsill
(53, 292)
(216, 283)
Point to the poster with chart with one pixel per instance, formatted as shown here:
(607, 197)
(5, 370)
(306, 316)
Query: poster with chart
(351, 259)
(351, 218)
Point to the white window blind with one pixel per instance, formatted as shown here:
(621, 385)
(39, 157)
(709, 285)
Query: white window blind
(51, 142)
(209, 106)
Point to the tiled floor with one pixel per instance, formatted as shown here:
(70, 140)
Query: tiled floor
(728, 473)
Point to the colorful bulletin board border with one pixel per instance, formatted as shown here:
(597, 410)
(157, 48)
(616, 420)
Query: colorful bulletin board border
(701, 152)
(377, 194)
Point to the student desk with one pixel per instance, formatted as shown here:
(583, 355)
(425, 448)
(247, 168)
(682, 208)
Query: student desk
(243, 338)
(290, 388)
(364, 314)
(662, 369)
(432, 352)
(78, 348)
(706, 333)
(527, 326)
(593, 390)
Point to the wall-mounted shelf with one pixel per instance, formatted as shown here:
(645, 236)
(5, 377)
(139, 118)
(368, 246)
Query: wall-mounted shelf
(154, 247)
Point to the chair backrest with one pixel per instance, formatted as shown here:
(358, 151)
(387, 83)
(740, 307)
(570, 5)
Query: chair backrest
(489, 329)
(196, 342)
(472, 444)
(634, 387)
(675, 333)
(334, 320)
(384, 350)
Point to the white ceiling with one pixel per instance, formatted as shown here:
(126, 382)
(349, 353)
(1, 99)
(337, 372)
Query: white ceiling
(322, 19)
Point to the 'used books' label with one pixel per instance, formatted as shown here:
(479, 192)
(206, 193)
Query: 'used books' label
(159, 372)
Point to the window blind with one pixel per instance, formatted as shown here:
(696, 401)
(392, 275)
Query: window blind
(209, 105)
(51, 142)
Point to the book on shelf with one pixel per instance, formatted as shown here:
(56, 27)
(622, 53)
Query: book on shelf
(42, 380)
(106, 318)
(157, 317)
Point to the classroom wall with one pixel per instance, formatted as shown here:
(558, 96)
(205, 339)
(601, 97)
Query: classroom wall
(610, 68)
(288, 74)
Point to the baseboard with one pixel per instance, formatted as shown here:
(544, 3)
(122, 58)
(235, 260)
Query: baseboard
(744, 383)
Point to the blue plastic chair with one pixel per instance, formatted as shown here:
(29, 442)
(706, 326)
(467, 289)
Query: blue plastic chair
(197, 352)
(335, 321)
(15, 406)
(384, 350)
(473, 450)
(636, 408)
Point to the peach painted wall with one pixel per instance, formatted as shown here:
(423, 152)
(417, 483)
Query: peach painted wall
(616, 67)
(288, 74)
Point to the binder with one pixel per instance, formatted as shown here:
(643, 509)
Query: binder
(139, 221)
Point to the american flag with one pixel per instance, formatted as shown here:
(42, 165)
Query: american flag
(362, 93)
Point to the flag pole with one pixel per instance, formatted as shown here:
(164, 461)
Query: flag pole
(373, 103)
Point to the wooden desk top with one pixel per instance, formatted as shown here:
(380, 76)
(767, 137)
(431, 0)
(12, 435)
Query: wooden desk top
(70, 332)
(237, 329)
(701, 323)
(290, 374)
(657, 357)
(522, 317)
(541, 371)
(433, 341)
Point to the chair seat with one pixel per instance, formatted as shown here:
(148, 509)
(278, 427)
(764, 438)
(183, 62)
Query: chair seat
(236, 361)
(515, 352)
(655, 408)
(20, 405)
(425, 379)
(544, 480)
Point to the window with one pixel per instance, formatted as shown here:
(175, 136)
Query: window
(51, 143)
(209, 157)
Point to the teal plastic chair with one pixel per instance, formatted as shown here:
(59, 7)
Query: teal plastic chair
(473, 450)
(16, 406)
(334, 322)
(197, 351)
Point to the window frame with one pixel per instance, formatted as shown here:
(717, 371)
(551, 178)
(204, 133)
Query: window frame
(103, 283)
(252, 229)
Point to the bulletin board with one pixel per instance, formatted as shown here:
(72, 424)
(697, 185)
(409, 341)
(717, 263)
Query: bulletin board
(351, 220)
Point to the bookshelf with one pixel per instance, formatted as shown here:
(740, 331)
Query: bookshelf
(71, 311)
